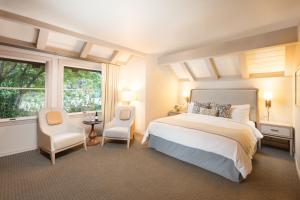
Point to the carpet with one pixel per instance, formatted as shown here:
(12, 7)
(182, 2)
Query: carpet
(114, 172)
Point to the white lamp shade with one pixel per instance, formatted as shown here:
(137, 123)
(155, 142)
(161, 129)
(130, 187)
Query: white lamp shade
(128, 96)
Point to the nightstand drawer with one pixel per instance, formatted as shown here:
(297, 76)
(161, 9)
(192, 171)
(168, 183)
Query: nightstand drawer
(275, 130)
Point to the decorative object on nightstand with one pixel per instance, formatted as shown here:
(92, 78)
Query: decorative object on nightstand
(177, 109)
(278, 131)
(268, 102)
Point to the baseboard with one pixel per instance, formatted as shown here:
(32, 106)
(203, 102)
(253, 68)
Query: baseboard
(2, 154)
(297, 168)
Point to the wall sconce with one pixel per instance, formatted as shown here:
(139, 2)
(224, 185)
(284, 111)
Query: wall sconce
(268, 102)
(128, 96)
(186, 95)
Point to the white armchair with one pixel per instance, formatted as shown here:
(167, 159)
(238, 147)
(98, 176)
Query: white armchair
(55, 138)
(120, 127)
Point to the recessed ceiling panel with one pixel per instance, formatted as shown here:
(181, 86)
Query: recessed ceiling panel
(63, 41)
(102, 52)
(18, 31)
(266, 60)
(179, 71)
(227, 65)
(199, 68)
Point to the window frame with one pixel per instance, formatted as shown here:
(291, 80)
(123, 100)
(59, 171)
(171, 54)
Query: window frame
(70, 63)
(22, 57)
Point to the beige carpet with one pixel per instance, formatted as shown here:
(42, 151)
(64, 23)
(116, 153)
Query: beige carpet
(114, 172)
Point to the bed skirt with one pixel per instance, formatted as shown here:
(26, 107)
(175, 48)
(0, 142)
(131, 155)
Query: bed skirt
(206, 160)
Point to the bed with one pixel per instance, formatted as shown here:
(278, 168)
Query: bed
(220, 145)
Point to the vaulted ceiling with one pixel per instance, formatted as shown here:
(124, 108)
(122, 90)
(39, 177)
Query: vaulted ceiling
(28, 33)
(159, 26)
(265, 62)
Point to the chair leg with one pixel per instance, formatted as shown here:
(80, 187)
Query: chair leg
(53, 157)
(102, 143)
(128, 143)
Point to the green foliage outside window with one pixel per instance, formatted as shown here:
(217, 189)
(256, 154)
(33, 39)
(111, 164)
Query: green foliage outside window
(22, 88)
(82, 90)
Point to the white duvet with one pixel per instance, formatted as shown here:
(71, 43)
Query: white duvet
(206, 141)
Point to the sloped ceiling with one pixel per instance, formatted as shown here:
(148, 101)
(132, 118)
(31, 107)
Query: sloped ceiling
(64, 41)
(59, 42)
(156, 26)
(271, 61)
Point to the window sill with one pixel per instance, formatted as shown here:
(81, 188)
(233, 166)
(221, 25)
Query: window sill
(18, 121)
(84, 114)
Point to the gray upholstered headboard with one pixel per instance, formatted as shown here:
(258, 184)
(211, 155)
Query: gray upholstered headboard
(229, 96)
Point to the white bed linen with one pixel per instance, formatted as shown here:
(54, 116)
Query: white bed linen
(206, 141)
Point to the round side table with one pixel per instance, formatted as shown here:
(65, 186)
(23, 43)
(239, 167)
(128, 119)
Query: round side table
(93, 138)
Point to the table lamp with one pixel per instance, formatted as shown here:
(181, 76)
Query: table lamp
(128, 96)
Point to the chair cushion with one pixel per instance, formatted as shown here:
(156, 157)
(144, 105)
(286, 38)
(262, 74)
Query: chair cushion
(54, 118)
(62, 140)
(125, 114)
(117, 132)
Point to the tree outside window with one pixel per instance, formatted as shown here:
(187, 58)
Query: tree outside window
(82, 90)
(22, 88)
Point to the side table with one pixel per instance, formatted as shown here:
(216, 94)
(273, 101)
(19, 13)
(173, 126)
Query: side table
(93, 138)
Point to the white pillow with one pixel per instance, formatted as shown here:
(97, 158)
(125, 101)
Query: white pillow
(240, 113)
(190, 107)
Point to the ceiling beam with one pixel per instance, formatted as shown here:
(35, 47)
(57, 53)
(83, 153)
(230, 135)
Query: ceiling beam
(188, 71)
(128, 60)
(114, 58)
(244, 71)
(42, 39)
(42, 25)
(86, 49)
(50, 50)
(268, 74)
(211, 66)
(17, 43)
(97, 59)
(62, 52)
(278, 37)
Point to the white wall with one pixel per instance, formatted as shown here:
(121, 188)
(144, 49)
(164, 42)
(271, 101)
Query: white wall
(21, 135)
(161, 89)
(155, 86)
(296, 109)
(281, 87)
(133, 77)
(18, 137)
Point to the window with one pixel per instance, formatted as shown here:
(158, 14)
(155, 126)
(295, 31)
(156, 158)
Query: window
(22, 88)
(82, 90)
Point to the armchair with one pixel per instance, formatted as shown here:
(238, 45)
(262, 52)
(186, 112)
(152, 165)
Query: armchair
(120, 127)
(56, 138)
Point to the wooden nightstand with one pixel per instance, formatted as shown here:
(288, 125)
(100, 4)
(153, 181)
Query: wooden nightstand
(173, 112)
(279, 131)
